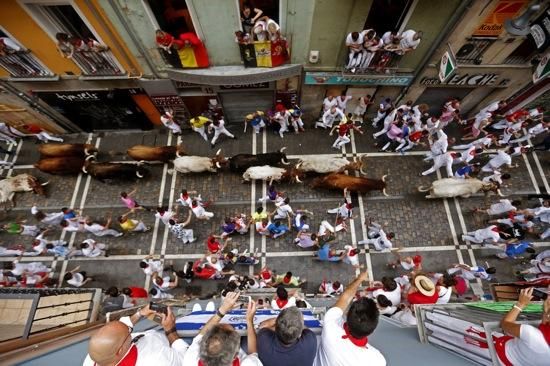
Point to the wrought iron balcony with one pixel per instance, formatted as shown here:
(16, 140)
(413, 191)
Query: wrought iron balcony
(97, 63)
(22, 64)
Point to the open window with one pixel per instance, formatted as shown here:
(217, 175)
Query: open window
(74, 36)
(18, 61)
(523, 53)
(387, 15)
(172, 16)
(269, 8)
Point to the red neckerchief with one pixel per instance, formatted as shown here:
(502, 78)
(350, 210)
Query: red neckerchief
(281, 303)
(495, 229)
(236, 362)
(160, 280)
(184, 197)
(286, 279)
(129, 359)
(500, 348)
(359, 342)
(545, 329)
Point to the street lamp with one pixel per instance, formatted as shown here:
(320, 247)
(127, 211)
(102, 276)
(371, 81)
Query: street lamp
(520, 25)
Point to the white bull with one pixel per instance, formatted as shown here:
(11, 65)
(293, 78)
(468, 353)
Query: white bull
(19, 183)
(270, 173)
(324, 165)
(198, 164)
(454, 187)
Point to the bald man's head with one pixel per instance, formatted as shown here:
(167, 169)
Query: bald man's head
(109, 343)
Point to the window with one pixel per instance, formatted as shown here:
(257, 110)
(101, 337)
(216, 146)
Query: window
(472, 51)
(19, 61)
(269, 8)
(387, 15)
(523, 53)
(75, 37)
(172, 16)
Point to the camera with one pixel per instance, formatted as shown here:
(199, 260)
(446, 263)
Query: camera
(159, 308)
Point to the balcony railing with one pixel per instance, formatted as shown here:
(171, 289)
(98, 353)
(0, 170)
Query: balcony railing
(379, 62)
(93, 63)
(22, 64)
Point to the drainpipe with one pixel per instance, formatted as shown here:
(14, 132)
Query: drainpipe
(457, 15)
(37, 105)
(135, 39)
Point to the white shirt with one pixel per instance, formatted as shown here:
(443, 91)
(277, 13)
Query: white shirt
(529, 349)
(496, 177)
(328, 289)
(383, 240)
(337, 351)
(192, 355)
(328, 104)
(501, 207)
(394, 296)
(444, 295)
(154, 349)
(283, 210)
(77, 280)
(94, 228)
(487, 234)
(500, 159)
(329, 117)
(407, 40)
(351, 42)
(290, 303)
(490, 108)
(92, 250)
(165, 217)
(343, 103)
(153, 266)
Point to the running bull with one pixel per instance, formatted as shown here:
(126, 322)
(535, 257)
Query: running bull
(198, 164)
(164, 154)
(241, 162)
(73, 150)
(102, 171)
(19, 183)
(454, 187)
(270, 173)
(65, 165)
(324, 165)
(338, 181)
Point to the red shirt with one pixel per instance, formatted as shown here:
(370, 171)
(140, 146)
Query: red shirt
(415, 136)
(213, 246)
(165, 40)
(343, 129)
(138, 292)
(418, 298)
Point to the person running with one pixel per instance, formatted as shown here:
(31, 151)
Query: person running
(334, 114)
(219, 128)
(343, 130)
(198, 125)
(179, 230)
(167, 119)
(129, 201)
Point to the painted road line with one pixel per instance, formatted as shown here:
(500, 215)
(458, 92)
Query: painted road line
(251, 235)
(451, 224)
(170, 205)
(65, 262)
(159, 204)
(531, 175)
(263, 246)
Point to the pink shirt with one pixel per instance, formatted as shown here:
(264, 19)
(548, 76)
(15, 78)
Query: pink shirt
(394, 132)
(129, 202)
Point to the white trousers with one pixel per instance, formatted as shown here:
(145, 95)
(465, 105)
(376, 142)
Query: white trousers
(200, 131)
(219, 131)
(44, 136)
(341, 141)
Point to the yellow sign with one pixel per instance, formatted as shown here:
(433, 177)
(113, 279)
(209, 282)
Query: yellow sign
(494, 22)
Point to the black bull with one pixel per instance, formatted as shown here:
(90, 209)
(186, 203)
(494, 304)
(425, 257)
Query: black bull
(240, 162)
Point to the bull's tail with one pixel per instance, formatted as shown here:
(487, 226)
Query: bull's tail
(424, 188)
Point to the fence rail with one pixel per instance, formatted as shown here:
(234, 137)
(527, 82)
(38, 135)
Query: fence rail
(101, 63)
(22, 64)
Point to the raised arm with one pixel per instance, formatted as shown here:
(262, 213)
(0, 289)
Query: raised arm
(226, 306)
(508, 323)
(250, 331)
(347, 296)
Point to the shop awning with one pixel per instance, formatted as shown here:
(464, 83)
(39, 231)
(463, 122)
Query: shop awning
(234, 75)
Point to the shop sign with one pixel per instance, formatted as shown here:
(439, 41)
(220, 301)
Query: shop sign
(166, 100)
(472, 80)
(493, 24)
(447, 67)
(540, 30)
(80, 96)
(245, 86)
(314, 78)
(185, 85)
(543, 69)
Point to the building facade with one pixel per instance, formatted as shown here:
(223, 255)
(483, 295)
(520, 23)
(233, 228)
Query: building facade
(123, 79)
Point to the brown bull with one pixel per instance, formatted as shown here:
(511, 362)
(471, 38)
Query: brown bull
(60, 165)
(340, 182)
(75, 150)
(155, 153)
(120, 171)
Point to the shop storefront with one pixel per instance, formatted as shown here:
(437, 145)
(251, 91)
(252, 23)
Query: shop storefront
(95, 110)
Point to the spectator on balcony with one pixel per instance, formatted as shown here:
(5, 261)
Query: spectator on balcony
(259, 32)
(167, 119)
(166, 42)
(80, 46)
(64, 47)
(354, 42)
(410, 39)
(8, 46)
(344, 338)
(249, 16)
(242, 37)
(371, 44)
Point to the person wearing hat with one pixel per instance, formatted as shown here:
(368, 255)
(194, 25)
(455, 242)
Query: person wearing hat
(422, 291)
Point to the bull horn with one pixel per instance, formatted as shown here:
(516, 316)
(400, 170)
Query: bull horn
(384, 192)
(218, 165)
(284, 162)
(384, 178)
(45, 183)
(282, 149)
(299, 165)
(361, 168)
(84, 170)
(138, 174)
(500, 193)
(91, 157)
(423, 189)
(298, 179)
(178, 154)
(141, 162)
(218, 152)
(86, 152)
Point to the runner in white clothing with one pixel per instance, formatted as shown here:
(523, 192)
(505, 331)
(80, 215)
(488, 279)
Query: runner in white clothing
(150, 266)
(90, 248)
(219, 128)
(342, 101)
(334, 114)
(498, 160)
(499, 208)
(488, 234)
(168, 121)
(443, 160)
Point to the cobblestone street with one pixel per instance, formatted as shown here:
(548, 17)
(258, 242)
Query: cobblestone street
(431, 228)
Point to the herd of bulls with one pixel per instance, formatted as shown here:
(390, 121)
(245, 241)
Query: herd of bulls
(67, 159)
